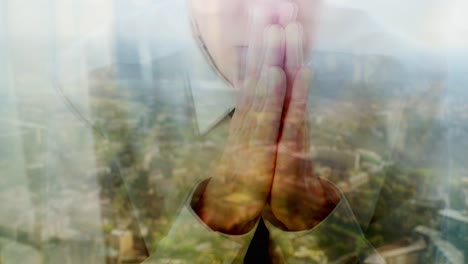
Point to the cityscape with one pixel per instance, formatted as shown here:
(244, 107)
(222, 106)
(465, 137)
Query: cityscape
(135, 169)
(97, 161)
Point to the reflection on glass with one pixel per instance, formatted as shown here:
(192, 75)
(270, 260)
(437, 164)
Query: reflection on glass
(119, 120)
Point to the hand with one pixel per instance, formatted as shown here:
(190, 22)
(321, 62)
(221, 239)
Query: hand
(237, 193)
(299, 199)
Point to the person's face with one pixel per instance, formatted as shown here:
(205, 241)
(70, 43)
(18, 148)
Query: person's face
(224, 27)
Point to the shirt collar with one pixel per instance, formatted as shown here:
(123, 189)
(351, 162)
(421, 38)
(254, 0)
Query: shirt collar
(213, 98)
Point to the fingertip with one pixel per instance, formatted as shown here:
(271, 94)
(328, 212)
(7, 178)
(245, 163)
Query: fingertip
(294, 35)
(273, 30)
(275, 36)
(294, 29)
(275, 42)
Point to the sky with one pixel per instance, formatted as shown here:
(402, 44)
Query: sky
(431, 24)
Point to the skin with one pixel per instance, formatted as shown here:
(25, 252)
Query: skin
(265, 166)
(227, 27)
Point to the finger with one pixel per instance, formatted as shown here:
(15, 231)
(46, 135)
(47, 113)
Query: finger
(293, 156)
(294, 49)
(276, 92)
(291, 167)
(242, 122)
(287, 13)
(275, 44)
(269, 118)
(260, 18)
(273, 58)
(245, 98)
(252, 116)
(295, 117)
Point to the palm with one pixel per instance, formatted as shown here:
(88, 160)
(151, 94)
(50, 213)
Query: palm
(237, 194)
(298, 198)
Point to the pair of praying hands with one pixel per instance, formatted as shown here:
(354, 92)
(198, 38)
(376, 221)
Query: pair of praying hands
(265, 167)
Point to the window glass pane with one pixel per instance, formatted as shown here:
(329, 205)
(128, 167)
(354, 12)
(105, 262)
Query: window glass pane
(207, 131)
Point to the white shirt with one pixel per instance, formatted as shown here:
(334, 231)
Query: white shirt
(351, 37)
(213, 99)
